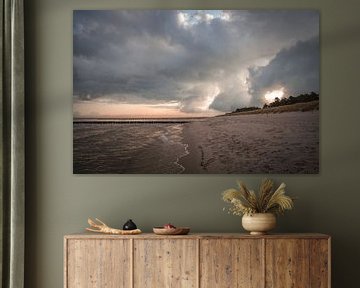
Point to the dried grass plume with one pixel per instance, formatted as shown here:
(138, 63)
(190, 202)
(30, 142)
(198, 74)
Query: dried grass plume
(267, 200)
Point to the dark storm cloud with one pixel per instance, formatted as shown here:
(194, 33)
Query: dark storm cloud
(187, 56)
(229, 101)
(295, 68)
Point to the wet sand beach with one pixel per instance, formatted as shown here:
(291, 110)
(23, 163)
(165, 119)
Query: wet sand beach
(260, 143)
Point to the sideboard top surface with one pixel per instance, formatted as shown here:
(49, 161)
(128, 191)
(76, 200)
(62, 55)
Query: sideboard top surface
(86, 235)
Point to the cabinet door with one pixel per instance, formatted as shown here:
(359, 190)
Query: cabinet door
(98, 263)
(165, 263)
(287, 263)
(320, 263)
(231, 263)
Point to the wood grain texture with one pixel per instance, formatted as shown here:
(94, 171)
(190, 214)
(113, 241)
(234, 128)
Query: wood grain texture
(98, 264)
(166, 263)
(66, 262)
(197, 260)
(88, 235)
(319, 263)
(231, 263)
(287, 263)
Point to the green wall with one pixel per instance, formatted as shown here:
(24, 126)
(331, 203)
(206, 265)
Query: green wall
(59, 202)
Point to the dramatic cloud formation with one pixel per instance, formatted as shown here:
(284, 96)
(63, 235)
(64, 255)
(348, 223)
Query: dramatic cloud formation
(295, 70)
(190, 62)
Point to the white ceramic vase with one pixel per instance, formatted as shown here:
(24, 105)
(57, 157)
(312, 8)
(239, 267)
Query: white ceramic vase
(259, 223)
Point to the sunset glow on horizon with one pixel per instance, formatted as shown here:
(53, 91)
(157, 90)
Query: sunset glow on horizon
(87, 109)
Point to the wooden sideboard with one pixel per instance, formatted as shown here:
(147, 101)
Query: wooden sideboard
(197, 260)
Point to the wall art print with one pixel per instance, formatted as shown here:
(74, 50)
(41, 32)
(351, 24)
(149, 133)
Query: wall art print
(220, 91)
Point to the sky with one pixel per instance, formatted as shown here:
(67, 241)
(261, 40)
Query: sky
(185, 63)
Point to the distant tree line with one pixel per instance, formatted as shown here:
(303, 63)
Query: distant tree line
(302, 98)
(246, 109)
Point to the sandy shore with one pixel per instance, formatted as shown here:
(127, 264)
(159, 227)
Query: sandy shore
(261, 143)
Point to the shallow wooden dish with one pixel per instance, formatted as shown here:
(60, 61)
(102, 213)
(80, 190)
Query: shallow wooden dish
(171, 231)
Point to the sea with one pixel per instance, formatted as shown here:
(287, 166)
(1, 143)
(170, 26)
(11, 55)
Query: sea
(128, 146)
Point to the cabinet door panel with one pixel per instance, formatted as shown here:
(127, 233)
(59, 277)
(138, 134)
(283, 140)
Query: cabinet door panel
(287, 263)
(319, 263)
(231, 263)
(165, 263)
(98, 264)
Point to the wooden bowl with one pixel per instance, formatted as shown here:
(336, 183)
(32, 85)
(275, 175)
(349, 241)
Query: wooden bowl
(171, 231)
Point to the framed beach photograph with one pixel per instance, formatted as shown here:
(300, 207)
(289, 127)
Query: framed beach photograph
(196, 91)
